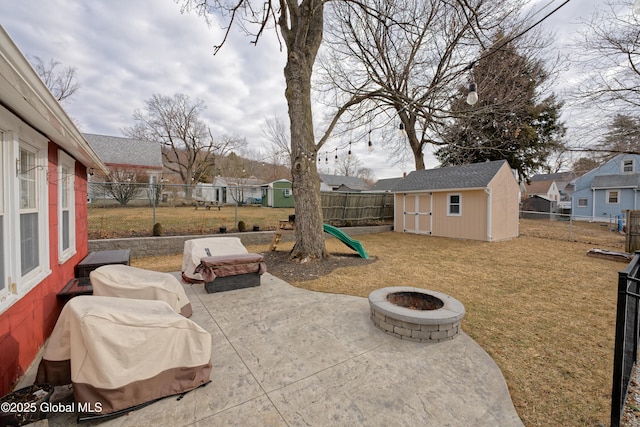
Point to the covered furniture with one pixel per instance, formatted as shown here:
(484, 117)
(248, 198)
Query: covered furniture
(196, 249)
(221, 263)
(130, 282)
(228, 272)
(119, 353)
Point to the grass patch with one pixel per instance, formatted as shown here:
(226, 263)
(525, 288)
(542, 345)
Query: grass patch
(541, 308)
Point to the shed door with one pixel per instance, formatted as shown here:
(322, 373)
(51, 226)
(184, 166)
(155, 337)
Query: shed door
(417, 213)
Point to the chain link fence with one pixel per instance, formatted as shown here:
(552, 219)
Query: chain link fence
(603, 231)
(132, 209)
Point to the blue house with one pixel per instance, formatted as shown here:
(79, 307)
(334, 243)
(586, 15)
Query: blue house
(607, 191)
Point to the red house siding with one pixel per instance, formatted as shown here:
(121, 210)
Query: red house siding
(26, 325)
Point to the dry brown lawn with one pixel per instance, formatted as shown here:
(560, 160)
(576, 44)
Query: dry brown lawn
(137, 221)
(541, 308)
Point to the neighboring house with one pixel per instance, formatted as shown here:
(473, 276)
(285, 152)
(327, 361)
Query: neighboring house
(341, 183)
(608, 190)
(563, 180)
(44, 160)
(384, 185)
(546, 189)
(278, 194)
(211, 193)
(128, 154)
(126, 158)
(230, 191)
(477, 201)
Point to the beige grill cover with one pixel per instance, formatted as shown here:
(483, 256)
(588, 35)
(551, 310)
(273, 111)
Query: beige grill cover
(130, 282)
(196, 249)
(123, 352)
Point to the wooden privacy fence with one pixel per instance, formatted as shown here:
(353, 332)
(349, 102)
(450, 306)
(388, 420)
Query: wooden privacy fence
(632, 231)
(354, 208)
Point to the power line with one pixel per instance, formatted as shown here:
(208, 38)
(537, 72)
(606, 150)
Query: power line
(532, 26)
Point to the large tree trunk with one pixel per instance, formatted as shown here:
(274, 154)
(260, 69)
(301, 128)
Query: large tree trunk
(306, 181)
(409, 123)
(418, 156)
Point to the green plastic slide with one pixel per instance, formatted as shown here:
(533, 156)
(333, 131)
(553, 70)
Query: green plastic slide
(340, 235)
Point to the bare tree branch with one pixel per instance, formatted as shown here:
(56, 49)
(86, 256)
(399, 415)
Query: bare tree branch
(63, 83)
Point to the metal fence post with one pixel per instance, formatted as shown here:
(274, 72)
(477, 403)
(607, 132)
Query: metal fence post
(626, 339)
(617, 401)
(570, 228)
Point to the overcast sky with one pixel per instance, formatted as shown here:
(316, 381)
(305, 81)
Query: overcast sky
(125, 51)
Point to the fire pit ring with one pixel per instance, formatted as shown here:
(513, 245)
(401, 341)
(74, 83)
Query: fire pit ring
(416, 314)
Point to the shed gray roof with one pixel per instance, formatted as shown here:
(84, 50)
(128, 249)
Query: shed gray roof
(386, 184)
(616, 181)
(350, 181)
(114, 150)
(475, 175)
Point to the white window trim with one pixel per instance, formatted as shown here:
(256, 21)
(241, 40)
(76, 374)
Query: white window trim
(586, 202)
(4, 291)
(64, 160)
(16, 135)
(607, 197)
(449, 195)
(633, 165)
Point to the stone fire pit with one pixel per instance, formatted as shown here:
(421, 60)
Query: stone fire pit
(416, 314)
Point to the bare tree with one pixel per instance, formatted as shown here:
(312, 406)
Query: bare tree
(62, 83)
(622, 136)
(125, 185)
(584, 164)
(609, 50)
(189, 148)
(277, 134)
(350, 165)
(406, 67)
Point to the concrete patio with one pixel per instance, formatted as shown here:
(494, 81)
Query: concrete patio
(284, 356)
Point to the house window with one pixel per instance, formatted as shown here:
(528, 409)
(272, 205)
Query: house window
(613, 197)
(27, 174)
(583, 202)
(627, 165)
(287, 192)
(454, 204)
(24, 207)
(66, 204)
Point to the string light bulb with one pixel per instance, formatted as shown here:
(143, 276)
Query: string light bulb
(349, 153)
(370, 145)
(472, 97)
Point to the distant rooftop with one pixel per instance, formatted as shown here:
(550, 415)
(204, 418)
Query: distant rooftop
(120, 151)
(386, 184)
(559, 176)
(336, 181)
